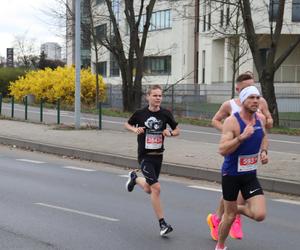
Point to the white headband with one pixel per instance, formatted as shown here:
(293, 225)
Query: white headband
(246, 92)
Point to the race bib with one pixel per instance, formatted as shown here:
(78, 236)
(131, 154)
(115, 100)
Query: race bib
(153, 140)
(247, 162)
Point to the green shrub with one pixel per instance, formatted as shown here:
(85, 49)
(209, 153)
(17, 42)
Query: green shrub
(9, 75)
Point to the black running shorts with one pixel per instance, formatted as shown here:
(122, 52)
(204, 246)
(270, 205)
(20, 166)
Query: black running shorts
(151, 166)
(248, 184)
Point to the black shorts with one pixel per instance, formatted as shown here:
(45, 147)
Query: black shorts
(248, 184)
(151, 166)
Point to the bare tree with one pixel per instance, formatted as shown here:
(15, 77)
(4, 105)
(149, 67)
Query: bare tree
(266, 69)
(231, 28)
(26, 51)
(130, 57)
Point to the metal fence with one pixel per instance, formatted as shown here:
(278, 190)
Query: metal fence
(202, 101)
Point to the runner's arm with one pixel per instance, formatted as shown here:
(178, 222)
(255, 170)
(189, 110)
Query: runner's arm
(221, 114)
(229, 142)
(266, 113)
(264, 144)
(136, 130)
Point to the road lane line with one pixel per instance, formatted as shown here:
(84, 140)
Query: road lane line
(206, 188)
(77, 212)
(288, 201)
(124, 175)
(31, 161)
(80, 169)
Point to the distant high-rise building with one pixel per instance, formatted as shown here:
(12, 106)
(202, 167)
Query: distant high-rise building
(51, 50)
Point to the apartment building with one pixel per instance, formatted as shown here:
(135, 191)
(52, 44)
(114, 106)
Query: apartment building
(51, 50)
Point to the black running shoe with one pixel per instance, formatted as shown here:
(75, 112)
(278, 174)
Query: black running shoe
(131, 181)
(165, 229)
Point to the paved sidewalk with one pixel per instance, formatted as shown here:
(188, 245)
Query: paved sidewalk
(182, 157)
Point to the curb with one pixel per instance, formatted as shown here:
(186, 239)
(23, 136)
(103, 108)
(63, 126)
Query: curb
(268, 184)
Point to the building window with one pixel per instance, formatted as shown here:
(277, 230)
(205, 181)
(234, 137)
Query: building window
(221, 17)
(296, 11)
(100, 1)
(204, 17)
(204, 24)
(101, 32)
(208, 7)
(114, 66)
(116, 9)
(203, 66)
(101, 68)
(157, 65)
(159, 20)
(273, 10)
(227, 13)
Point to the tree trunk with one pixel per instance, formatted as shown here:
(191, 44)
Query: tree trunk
(268, 91)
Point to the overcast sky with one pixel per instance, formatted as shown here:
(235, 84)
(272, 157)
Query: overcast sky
(26, 17)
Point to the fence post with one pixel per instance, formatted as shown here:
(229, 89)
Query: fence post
(0, 103)
(58, 110)
(172, 98)
(26, 107)
(100, 114)
(12, 106)
(41, 110)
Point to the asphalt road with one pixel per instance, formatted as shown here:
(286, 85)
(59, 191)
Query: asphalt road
(279, 143)
(50, 202)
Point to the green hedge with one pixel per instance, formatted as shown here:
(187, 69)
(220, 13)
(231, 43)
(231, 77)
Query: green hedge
(7, 75)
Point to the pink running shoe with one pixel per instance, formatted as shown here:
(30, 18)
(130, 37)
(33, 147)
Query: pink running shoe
(213, 223)
(217, 248)
(236, 231)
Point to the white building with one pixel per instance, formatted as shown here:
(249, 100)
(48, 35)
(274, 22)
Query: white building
(183, 45)
(51, 50)
(218, 30)
(170, 47)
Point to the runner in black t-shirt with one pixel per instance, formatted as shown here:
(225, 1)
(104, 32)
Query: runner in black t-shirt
(150, 125)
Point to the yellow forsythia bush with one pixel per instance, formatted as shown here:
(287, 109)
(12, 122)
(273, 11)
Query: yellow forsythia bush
(58, 83)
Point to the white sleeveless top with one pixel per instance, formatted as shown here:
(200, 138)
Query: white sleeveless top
(234, 107)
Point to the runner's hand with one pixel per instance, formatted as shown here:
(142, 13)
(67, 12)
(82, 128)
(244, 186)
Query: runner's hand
(139, 130)
(264, 157)
(248, 131)
(167, 133)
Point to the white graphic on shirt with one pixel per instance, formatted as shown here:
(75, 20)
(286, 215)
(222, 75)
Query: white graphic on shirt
(153, 138)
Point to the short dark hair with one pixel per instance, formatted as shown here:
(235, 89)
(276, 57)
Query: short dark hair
(245, 76)
(153, 87)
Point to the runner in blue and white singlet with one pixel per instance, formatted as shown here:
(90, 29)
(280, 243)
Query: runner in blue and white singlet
(243, 144)
(244, 160)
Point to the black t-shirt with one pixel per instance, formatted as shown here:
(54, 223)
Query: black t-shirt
(152, 139)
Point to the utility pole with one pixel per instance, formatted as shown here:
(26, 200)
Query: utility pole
(77, 64)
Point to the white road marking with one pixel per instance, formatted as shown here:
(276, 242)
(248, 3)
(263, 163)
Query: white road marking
(199, 132)
(206, 188)
(124, 175)
(31, 161)
(288, 201)
(77, 212)
(80, 169)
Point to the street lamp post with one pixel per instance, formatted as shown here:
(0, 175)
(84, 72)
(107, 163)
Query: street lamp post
(77, 63)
